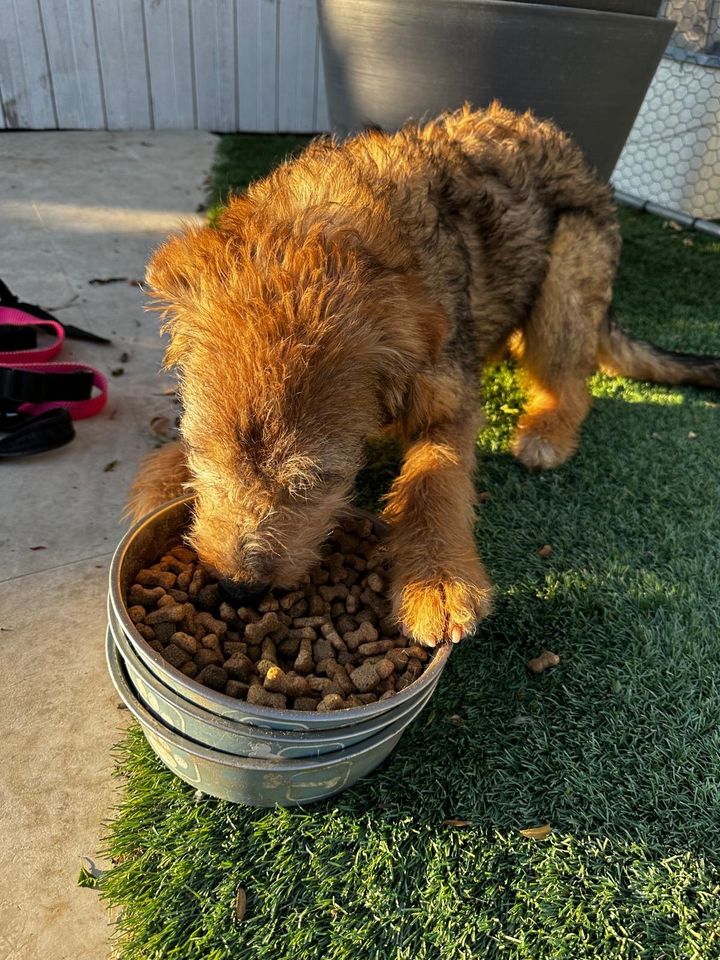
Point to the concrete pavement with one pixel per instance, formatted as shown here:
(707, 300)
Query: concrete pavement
(75, 207)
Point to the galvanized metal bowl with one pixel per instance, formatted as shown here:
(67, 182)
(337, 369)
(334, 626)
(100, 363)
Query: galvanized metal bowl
(230, 736)
(140, 547)
(226, 747)
(249, 780)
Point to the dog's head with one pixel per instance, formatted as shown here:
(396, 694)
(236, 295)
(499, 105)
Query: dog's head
(284, 370)
(282, 376)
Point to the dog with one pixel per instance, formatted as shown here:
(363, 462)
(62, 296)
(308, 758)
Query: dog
(362, 287)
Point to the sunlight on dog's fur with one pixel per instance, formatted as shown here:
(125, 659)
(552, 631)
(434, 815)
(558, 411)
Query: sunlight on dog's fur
(362, 287)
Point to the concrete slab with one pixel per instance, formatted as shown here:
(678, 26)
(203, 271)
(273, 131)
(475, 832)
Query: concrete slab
(75, 207)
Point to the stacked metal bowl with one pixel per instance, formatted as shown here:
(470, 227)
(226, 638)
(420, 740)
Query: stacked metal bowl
(228, 748)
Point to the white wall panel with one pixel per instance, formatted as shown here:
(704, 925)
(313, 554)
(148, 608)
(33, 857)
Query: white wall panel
(322, 116)
(223, 65)
(257, 64)
(120, 31)
(25, 85)
(73, 57)
(169, 60)
(297, 57)
(213, 37)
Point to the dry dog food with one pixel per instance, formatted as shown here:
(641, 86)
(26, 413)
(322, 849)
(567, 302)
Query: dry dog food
(326, 643)
(542, 663)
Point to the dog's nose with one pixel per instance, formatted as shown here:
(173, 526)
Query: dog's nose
(238, 592)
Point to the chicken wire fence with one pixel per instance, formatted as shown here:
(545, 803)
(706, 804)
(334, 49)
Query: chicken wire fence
(672, 157)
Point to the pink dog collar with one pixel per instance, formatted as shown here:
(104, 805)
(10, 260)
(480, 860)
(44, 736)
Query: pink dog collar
(40, 398)
(18, 318)
(78, 409)
(30, 385)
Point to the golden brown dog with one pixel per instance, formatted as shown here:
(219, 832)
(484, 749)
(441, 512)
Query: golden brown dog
(362, 286)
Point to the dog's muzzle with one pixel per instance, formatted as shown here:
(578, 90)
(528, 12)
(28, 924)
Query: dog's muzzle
(238, 594)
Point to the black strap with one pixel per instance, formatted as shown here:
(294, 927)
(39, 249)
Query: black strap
(47, 431)
(8, 299)
(29, 386)
(14, 337)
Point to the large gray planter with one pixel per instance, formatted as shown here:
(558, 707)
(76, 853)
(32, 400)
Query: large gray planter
(643, 8)
(588, 70)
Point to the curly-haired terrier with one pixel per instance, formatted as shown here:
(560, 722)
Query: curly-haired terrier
(362, 287)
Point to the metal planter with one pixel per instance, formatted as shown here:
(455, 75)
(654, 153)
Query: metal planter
(640, 8)
(588, 70)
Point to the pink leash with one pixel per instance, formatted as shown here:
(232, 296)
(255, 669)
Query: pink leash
(36, 361)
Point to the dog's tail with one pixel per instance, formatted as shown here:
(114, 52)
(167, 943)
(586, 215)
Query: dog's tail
(622, 355)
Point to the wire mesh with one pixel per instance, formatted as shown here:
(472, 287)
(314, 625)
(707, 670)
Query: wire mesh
(672, 156)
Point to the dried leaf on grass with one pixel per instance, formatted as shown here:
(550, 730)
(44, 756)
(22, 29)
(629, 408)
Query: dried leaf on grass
(240, 904)
(454, 822)
(544, 551)
(90, 874)
(431, 718)
(537, 833)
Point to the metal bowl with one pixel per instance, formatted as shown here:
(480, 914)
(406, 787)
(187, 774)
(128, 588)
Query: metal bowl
(248, 780)
(140, 547)
(230, 736)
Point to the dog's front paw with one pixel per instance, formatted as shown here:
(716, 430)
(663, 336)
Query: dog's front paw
(446, 608)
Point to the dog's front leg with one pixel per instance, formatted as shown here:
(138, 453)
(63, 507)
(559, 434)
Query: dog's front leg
(440, 589)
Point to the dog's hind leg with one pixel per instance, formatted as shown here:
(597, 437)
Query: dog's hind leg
(559, 345)
(162, 476)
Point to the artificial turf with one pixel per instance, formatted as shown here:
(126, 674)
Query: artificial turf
(617, 749)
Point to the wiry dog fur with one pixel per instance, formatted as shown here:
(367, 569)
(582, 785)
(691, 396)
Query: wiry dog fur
(362, 286)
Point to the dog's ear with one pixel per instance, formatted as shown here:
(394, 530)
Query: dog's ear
(431, 324)
(177, 276)
(172, 273)
(414, 328)
(399, 301)
(411, 329)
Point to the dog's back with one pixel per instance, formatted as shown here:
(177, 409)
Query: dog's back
(469, 202)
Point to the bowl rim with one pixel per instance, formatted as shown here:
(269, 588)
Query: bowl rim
(181, 682)
(228, 725)
(273, 764)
